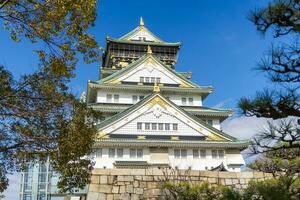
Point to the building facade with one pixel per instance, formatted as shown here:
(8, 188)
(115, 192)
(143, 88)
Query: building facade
(153, 115)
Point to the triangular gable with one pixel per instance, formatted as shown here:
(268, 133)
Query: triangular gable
(141, 32)
(156, 104)
(149, 66)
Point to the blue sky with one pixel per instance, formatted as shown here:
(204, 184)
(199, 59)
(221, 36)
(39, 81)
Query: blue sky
(220, 46)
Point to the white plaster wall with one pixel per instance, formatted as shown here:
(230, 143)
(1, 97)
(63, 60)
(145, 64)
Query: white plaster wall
(107, 162)
(131, 127)
(142, 33)
(180, 163)
(126, 98)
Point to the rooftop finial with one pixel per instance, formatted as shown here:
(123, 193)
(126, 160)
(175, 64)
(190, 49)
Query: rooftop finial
(156, 88)
(149, 50)
(141, 21)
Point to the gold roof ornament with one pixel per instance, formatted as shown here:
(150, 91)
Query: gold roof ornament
(156, 88)
(149, 50)
(142, 21)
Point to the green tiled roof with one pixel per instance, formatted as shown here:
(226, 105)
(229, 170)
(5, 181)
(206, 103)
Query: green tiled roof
(140, 103)
(175, 44)
(171, 143)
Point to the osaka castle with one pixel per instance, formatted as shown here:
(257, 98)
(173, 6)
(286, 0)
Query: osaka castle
(153, 116)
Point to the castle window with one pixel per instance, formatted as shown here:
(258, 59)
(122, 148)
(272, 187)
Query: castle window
(167, 127)
(175, 127)
(157, 80)
(141, 97)
(139, 126)
(203, 153)
(191, 101)
(209, 122)
(180, 153)
(134, 99)
(111, 153)
(147, 126)
(116, 98)
(97, 153)
(183, 100)
(152, 79)
(221, 153)
(195, 153)
(214, 154)
(154, 126)
(119, 153)
(109, 98)
(142, 79)
(160, 126)
(136, 153)
(147, 80)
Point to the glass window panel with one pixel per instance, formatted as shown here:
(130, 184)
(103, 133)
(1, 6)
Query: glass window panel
(195, 153)
(142, 79)
(98, 153)
(147, 80)
(157, 80)
(214, 153)
(139, 153)
(111, 153)
(141, 97)
(152, 79)
(139, 126)
(154, 126)
(109, 98)
(191, 101)
(147, 126)
(134, 99)
(209, 121)
(177, 153)
(120, 153)
(175, 127)
(160, 126)
(132, 153)
(183, 101)
(183, 153)
(116, 98)
(221, 153)
(203, 153)
(167, 127)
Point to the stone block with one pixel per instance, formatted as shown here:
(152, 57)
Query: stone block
(92, 195)
(143, 184)
(139, 178)
(94, 187)
(102, 196)
(111, 179)
(208, 173)
(151, 185)
(105, 188)
(244, 175)
(135, 197)
(117, 196)
(110, 197)
(258, 174)
(135, 184)
(115, 189)
(100, 171)
(138, 191)
(228, 181)
(138, 172)
(147, 178)
(157, 172)
(125, 178)
(194, 173)
(242, 181)
(95, 179)
(103, 179)
(122, 189)
(125, 196)
(121, 171)
(120, 183)
(227, 175)
(235, 181)
(129, 188)
(212, 180)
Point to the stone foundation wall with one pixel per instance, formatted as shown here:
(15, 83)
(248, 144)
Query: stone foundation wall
(134, 184)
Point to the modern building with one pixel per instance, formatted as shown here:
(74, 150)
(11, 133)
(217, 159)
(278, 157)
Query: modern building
(153, 115)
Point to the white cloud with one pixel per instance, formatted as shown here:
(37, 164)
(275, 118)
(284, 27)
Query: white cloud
(13, 190)
(243, 127)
